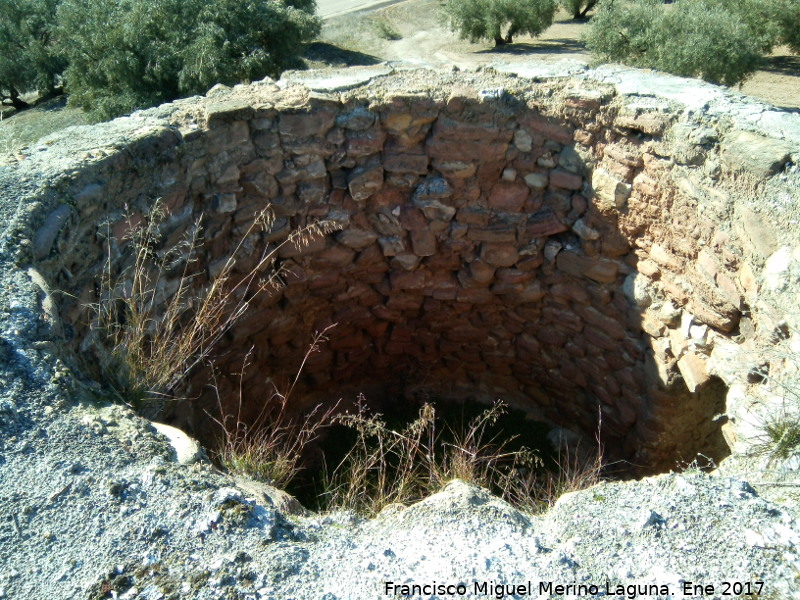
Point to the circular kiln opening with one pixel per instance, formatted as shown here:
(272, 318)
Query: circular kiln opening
(478, 249)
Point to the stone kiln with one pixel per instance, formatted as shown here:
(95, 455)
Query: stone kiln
(573, 251)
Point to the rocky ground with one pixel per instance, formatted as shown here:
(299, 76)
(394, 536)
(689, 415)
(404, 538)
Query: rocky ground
(95, 506)
(95, 503)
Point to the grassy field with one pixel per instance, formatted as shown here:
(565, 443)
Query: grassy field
(25, 128)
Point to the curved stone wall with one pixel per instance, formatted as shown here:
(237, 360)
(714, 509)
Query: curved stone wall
(599, 259)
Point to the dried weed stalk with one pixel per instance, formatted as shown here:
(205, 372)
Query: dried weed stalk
(155, 323)
(574, 471)
(271, 447)
(386, 466)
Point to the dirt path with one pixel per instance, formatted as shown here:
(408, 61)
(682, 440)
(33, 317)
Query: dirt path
(425, 39)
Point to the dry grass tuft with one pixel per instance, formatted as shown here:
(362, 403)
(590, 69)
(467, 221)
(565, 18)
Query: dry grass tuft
(153, 322)
(271, 448)
(573, 472)
(386, 466)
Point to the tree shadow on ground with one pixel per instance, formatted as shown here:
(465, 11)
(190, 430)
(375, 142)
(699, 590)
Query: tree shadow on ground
(52, 104)
(333, 56)
(782, 65)
(551, 46)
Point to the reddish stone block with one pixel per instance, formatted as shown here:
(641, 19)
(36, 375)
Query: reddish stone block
(490, 171)
(466, 151)
(707, 265)
(729, 290)
(649, 268)
(326, 291)
(464, 333)
(622, 172)
(408, 280)
(499, 255)
(565, 318)
(412, 218)
(575, 349)
(406, 163)
(455, 169)
(423, 243)
(573, 374)
(694, 371)
(582, 102)
(405, 261)
(530, 263)
(528, 343)
(481, 272)
(597, 338)
(513, 276)
(364, 143)
(499, 233)
(471, 215)
(346, 342)
(615, 360)
(371, 256)
(352, 314)
(306, 124)
(338, 256)
(411, 302)
(552, 336)
(549, 129)
(402, 334)
(371, 297)
(450, 129)
(676, 289)
(603, 271)
(631, 157)
(508, 196)
(544, 223)
(594, 317)
(474, 295)
(566, 180)
(357, 239)
(579, 205)
(393, 348)
(502, 289)
(531, 292)
(377, 329)
(570, 291)
(725, 319)
(365, 181)
(386, 314)
(445, 259)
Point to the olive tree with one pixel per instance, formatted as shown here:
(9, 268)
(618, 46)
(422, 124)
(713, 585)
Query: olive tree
(489, 19)
(129, 54)
(697, 38)
(29, 60)
(787, 16)
(578, 8)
